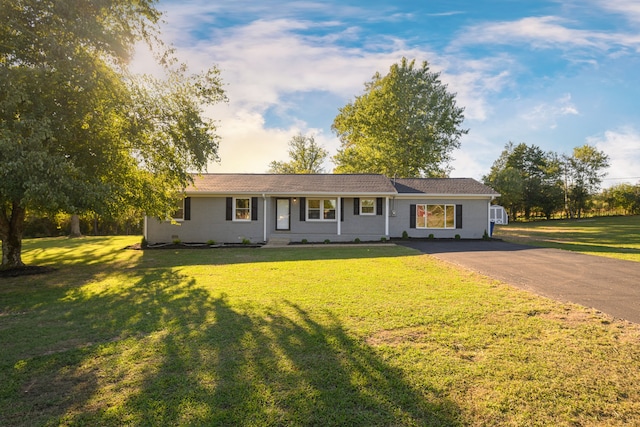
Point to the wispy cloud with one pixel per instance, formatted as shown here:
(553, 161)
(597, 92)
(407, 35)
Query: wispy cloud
(264, 61)
(451, 13)
(546, 114)
(546, 32)
(630, 9)
(283, 61)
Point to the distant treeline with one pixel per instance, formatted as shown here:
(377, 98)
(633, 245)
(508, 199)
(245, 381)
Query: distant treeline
(535, 183)
(90, 225)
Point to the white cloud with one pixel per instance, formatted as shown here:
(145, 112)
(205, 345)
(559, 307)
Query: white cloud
(269, 65)
(264, 61)
(629, 8)
(546, 32)
(543, 31)
(545, 115)
(248, 146)
(623, 148)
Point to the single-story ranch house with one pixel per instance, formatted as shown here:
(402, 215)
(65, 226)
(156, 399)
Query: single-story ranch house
(234, 208)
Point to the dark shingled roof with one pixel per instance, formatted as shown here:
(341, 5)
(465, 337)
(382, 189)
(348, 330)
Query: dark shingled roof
(344, 184)
(292, 184)
(458, 186)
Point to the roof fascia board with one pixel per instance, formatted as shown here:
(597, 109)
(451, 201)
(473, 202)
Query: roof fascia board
(290, 194)
(445, 195)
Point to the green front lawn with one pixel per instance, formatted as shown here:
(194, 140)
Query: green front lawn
(614, 237)
(357, 336)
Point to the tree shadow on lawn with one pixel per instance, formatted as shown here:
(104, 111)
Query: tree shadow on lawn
(232, 256)
(90, 250)
(165, 352)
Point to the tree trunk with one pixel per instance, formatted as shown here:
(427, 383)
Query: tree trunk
(11, 228)
(75, 226)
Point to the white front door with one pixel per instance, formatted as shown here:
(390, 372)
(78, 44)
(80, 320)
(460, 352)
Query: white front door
(283, 206)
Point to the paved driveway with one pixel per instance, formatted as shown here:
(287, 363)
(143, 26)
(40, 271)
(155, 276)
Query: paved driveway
(609, 285)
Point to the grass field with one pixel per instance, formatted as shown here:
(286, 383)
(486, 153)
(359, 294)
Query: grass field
(614, 237)
(358, 336)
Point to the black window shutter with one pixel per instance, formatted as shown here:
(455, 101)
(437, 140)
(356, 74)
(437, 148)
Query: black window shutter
(412, 216)
(342, 209)
(229, 208)
(254, 209)
(356, 206)
(379, 206)
(187, 208)
(458, 216)
(303, 208)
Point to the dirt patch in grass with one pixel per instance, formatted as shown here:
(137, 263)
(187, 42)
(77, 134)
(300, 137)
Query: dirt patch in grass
(396, 337)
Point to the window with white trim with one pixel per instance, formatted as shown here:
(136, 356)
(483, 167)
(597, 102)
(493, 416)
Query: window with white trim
(242, 209)
(178, 214)
(321, 209)
(367, 206)
(435, 216)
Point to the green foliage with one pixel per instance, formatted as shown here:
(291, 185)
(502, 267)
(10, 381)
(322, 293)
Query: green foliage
(144, 243)
(176, 241)
(583, 176)
(530, 180)
(211, 242)
(78, 132)
(356, 240)
(527, 179)
(306, 157)
(327, 241)
(457, 237)
(431, 236)
(246, 241)
(405, 235)
(405, 124)
(623, 196)
(304, 241)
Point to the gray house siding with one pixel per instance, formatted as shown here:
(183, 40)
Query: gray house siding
(363, 227)
(389, 208)
(207, 222)
(475, 217)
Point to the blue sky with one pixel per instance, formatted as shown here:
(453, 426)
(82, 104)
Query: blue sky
(557, 74)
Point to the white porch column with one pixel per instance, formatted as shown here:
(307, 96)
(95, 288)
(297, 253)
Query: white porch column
(339, 215)
(264, 217)
(386, 216)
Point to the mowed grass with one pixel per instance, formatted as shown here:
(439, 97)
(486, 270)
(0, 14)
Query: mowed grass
(613, 237)
(364, 336)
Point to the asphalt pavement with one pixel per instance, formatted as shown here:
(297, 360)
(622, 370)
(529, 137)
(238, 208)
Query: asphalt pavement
(609, 285)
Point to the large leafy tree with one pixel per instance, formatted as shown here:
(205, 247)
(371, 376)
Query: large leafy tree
(527, 179)
(510, 184)
(78, 132)
(584, 173)
(405, 124)
(305, 154)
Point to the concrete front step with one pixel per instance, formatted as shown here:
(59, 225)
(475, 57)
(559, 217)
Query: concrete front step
(278, 241)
